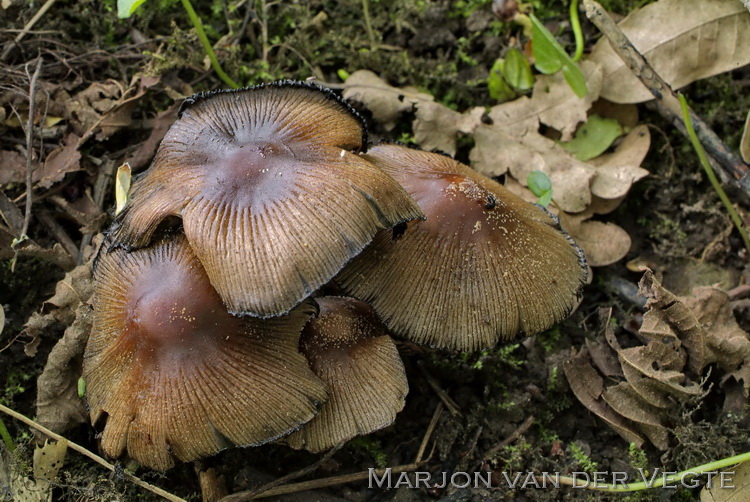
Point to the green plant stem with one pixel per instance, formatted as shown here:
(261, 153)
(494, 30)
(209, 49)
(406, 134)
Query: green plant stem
(368, 25)
(575, 23)
(658, 482)
(207, 45)
(6, 437)
(710, 172)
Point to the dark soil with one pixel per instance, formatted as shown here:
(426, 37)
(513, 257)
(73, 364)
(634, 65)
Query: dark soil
(447, 49)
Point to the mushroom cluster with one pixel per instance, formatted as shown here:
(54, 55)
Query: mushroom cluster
(208, 327)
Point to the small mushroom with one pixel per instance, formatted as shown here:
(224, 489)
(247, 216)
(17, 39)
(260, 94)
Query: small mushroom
(349, 349)
(483, 266)
(176, 375)
(272, 198)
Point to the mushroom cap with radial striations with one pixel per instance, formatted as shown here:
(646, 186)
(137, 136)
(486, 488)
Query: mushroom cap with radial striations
(349, 348)
(482, 267)
(175, 374)
(272, 196)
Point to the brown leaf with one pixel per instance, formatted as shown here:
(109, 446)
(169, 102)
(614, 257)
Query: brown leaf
(587, 386)
(12, 167)
(11, 215)
(617, 171)
(740, 491)
(85, 109)
(662, 365)
(684, 40)
(436, 127)
(62, 160)
(626, 402)
(667, 314)
(603, 243)
(74, 289)
(604, 358)
(145, 152)
(558, 106)
(495, 152)
(58, 405)
(650, 390)
(385, 102)
(728, 345)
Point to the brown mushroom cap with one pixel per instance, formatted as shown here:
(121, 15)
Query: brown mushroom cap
(483, 266)
(273, 200)
(175, 374)
(349, 349)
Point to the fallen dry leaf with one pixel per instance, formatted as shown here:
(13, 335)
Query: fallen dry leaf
(385, 102)
(602, 243)
(436, 127)
(556, 104)
(683, 40)
(58, 406)
(507, 141)
(85, 109)
(14, 483)
(617, 171)
(727, 344)
(703, 323)
(13, 167)
(146, 151)
(62, 160)
(650, 419)
(75, 288)
(588, 386)
(740, 491)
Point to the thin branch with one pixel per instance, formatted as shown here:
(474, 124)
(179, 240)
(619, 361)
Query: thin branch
(262, 490)
(96, 458)
(525, 426)
(30, 147)
(666, 99)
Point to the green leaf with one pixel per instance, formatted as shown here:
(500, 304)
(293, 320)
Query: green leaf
(550, 57)
(343, 74)
(497, 87)
(593, 138)
(517, 70)
(125, 8)
(541, 186)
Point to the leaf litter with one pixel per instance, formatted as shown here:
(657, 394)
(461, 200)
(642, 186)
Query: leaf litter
(508, 141)
(683, 340)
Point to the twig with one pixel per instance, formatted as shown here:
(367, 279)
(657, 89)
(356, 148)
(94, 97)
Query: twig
(251, 494)
(30, 147)
(96, 458)
(525, 426)
(667, 102)
(428, 433)
(326, 482)
(452, 406)
(344, 478)
(27, 28)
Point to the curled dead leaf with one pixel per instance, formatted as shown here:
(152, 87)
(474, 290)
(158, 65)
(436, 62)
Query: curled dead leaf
(58, 405)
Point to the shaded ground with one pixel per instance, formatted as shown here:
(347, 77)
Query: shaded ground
(447, 49)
